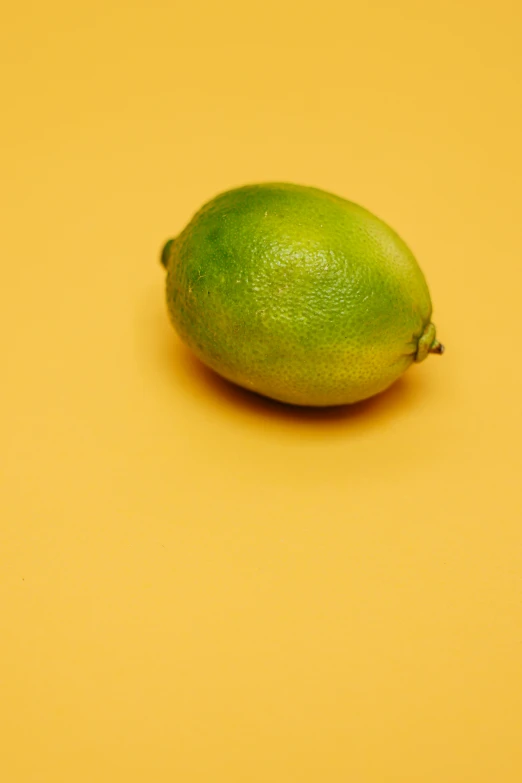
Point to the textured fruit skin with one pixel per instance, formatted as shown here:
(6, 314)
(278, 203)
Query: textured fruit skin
(297, 294)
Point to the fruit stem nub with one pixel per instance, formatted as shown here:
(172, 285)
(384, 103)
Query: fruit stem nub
(165, 253)
(437, 347)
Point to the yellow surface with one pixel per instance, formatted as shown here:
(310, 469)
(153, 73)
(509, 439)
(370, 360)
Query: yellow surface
(197, 585)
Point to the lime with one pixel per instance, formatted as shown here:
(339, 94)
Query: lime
(298, 294)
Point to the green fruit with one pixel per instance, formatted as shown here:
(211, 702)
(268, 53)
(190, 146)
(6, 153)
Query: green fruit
(298, 295)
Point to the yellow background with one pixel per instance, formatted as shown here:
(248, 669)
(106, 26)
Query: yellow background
(197, 585)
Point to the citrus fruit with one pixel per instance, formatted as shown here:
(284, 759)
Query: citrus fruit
(298, 294)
